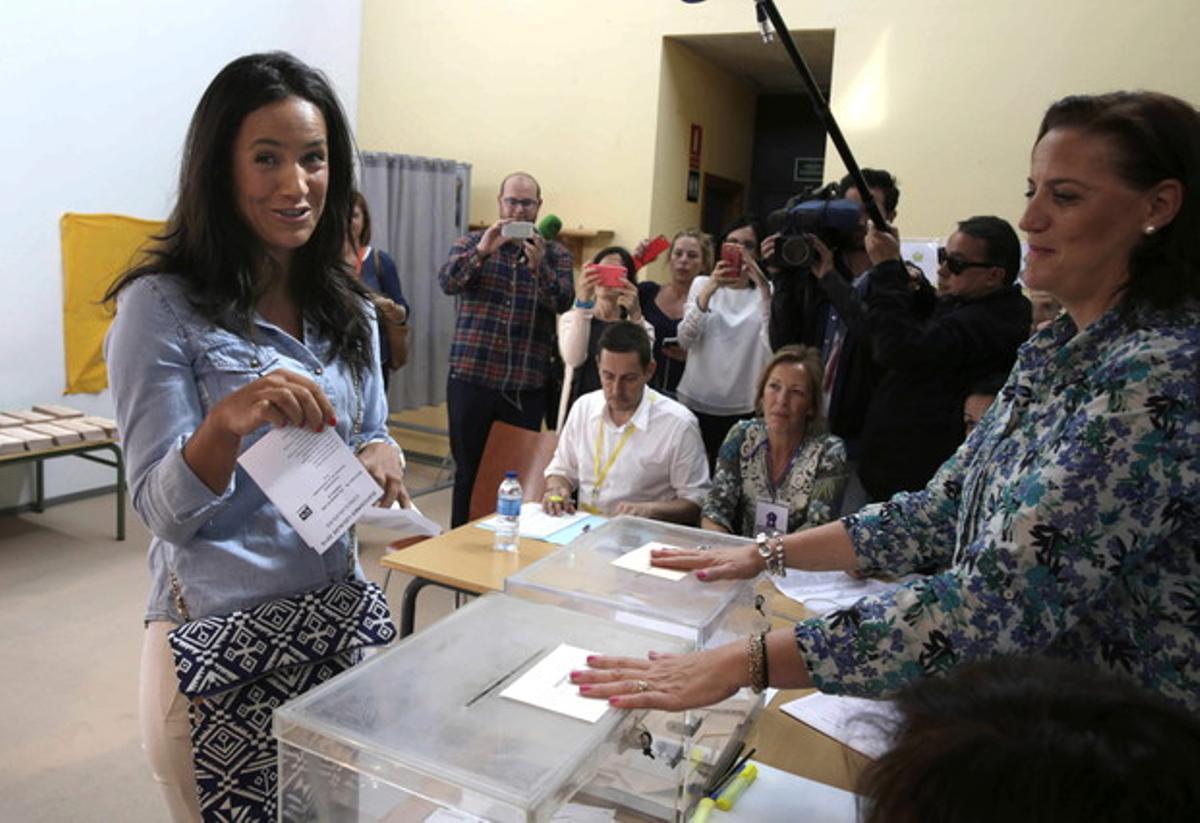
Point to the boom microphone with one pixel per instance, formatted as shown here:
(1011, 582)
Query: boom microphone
(549, 226)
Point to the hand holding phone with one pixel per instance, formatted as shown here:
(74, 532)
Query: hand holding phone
(518, 230)
(611, 277)
(731, 254)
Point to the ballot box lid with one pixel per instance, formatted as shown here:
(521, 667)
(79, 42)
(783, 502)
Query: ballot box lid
(427, 715)
(582, 576)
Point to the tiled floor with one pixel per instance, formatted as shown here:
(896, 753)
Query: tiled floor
(71, 603)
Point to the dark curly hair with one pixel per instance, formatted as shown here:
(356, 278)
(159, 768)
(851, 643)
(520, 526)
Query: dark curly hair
(209, 245)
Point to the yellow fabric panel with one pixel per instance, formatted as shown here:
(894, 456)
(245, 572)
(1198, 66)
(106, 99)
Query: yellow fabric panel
(95, 249)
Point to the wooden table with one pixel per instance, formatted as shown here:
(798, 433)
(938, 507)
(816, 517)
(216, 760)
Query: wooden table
(83, 450)
(463, 560)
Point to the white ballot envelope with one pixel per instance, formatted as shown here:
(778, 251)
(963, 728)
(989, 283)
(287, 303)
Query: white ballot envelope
(548, 685)
(638, 560)
(314, 480)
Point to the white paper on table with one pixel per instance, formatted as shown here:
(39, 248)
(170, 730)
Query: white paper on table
(314, 480)
(863, 725)
(535, 523)
(638, 560)
(401, 522)
(822, 592)
(581, 813)
(548, 685)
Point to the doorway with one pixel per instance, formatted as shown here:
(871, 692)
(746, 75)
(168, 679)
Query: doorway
(721, 202)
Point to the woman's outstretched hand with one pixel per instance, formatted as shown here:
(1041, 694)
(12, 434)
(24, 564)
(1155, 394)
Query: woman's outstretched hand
(671, 682)
(736, 563)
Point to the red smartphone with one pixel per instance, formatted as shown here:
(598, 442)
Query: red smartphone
(611, 277)
(653, 249)
(731, 253)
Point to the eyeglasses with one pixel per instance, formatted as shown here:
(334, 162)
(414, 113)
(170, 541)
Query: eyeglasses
(956, 265)
(522, 202)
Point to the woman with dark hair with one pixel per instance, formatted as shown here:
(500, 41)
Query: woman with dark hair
(1031, 739)
(724, 330)
(780, 471)
(690, 253)
(1066, 524)
(377, 271)
(598, 302)
(245, 318)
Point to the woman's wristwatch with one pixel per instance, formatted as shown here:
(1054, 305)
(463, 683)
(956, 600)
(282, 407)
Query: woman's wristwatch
(770, 549)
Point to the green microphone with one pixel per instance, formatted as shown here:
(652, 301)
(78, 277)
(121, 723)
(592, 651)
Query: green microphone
(549, 227)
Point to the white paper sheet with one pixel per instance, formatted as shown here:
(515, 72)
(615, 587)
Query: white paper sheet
(535, 523)
(861, 724)
(823, 592)
(548, 685)
(314, 480)
(401, 522)
(638, 560)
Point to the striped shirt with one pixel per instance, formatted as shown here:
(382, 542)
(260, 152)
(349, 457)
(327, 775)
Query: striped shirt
(505, 325)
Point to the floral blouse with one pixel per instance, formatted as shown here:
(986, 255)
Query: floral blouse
(1065, 525)
(811, 487)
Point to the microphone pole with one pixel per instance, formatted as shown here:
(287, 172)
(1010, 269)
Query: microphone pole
(821, 107)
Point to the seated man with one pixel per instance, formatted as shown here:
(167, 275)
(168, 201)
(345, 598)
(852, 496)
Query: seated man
(627, 448)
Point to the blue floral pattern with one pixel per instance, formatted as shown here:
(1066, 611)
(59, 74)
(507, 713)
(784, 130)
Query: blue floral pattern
(1065, 525)
(811, 488)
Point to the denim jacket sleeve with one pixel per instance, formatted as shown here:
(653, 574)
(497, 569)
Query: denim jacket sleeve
(158, 406)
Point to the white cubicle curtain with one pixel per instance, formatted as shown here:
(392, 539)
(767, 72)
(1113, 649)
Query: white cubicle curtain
(419, 206)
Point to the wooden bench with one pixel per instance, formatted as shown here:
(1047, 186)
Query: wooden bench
(43, 432)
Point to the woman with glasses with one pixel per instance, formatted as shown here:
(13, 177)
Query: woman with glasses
(1066, 524)
(914, 420)
(780, 471)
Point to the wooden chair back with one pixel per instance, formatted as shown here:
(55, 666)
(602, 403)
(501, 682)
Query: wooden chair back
(511, 448)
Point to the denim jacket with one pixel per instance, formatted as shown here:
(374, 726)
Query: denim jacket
(168, 366)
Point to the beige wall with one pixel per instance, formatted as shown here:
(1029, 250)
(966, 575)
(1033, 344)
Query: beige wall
(945, 93)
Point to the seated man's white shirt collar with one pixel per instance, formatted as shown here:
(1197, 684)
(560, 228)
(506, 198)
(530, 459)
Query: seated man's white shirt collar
(662, 459)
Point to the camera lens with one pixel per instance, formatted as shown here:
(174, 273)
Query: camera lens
(794, 250)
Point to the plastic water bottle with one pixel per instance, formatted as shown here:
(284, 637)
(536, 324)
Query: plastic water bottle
(508, 511)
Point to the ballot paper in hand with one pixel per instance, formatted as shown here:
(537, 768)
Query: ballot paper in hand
(548, 685)
(313, 478)
(638, 560)
(401, 522)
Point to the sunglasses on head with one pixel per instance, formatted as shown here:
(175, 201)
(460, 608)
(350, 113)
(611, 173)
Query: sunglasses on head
(956, 265)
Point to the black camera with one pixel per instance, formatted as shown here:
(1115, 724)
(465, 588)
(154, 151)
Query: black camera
(820, 213)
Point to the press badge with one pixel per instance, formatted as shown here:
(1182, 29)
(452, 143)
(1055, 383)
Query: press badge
(770, 516)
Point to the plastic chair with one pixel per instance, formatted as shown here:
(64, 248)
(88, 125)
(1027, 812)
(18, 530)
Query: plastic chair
(511, 448)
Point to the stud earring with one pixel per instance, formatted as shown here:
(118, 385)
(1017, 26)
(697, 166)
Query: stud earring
(1149, 230)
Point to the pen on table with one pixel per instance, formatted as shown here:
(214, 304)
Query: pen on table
(703, 810)
(730, 773)
(737, 787)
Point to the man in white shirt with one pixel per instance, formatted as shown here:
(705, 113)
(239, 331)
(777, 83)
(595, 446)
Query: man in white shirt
(627, 448)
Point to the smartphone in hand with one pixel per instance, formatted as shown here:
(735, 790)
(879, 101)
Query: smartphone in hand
(731, 253)
(611, 277)
(518, 229)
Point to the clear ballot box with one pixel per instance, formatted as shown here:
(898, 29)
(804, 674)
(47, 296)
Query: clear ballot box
(582, 577)
(421, 731)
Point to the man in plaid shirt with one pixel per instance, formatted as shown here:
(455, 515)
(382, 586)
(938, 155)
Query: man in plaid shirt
(509, 292)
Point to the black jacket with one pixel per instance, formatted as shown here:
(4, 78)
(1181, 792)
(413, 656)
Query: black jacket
(915, 419)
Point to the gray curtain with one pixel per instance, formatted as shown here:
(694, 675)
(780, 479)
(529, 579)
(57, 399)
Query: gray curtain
(419, 206)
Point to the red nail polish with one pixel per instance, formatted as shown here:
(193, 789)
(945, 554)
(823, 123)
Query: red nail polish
(585, 689)
(612, 701)
(703, 575)
(332, 420)
(591, 659)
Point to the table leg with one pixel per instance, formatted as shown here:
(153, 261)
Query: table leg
(116, 450)
(39, 486)
(408, 604)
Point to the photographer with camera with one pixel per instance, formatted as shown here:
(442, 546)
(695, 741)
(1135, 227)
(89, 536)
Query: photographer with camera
(821, 275)
(724, 329)
(915, 420)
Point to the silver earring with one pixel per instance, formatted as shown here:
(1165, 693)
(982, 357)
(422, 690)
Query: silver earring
(1149, 230)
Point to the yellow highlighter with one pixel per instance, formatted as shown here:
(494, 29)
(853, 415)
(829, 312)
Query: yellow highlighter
(734, 790)
(703, 810)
